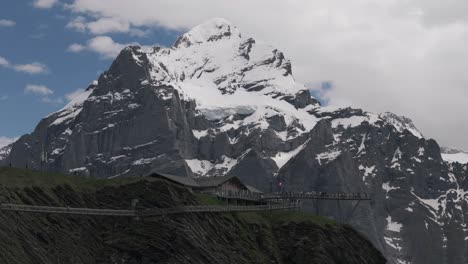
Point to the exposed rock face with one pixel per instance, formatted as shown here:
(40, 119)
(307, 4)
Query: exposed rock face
(27, 238)
(219, 103)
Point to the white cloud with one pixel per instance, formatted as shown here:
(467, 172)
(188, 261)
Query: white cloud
(4, 62)
(74, 94)
(38, 89)
(7, 23)
(105, 46)
(76, 48)
(108, 25)
(102, 45)
(31, 68)
(5, 141)
(45, 3)
(78, 23)
(105, 25)
(405, 56)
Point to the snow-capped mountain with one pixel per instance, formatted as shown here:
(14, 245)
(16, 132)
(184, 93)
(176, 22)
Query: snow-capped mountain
(221, 103)
(454, 155)
(4, 152)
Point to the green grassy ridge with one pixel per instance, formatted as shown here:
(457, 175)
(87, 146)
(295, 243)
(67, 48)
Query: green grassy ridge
(16, 177)
(21, 178)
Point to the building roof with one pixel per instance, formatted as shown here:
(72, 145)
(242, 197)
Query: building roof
(186, 181)
(213, 181)
(200, 182)
(253, 190)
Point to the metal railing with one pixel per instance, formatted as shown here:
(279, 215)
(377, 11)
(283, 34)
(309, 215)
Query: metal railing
(148, 212)
(244, 195)
(66, 210)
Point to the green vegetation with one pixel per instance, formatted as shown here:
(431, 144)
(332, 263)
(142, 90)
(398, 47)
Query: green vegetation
(244, 237)
(14, 177)
(278, 217)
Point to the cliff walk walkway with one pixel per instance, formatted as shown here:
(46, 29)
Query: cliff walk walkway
(245, 195)
(282, 197)
(274, 201)
(149, 212)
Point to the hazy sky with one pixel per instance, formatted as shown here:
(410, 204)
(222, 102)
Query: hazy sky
(404, 56)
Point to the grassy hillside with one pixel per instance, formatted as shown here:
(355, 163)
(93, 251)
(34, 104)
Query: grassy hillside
(270, 237)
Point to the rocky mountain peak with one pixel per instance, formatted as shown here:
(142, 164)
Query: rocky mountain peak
(212, 30)
(401, 123)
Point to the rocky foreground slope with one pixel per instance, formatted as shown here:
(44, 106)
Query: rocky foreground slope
(286, 237)
(221, 103)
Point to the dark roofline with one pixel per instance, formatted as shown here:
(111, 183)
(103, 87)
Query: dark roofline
(185, 181)
(200, 182)
(253, 189)
(213, 181)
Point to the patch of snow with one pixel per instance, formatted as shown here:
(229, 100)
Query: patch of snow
(352, 121)
(218, 113)
(355, 121)
(395, 164)
(421, 151)
(386, 186)
(144, 161)
(58, 151)
(393, 226)
(112, 159)
(460, 157)
(81, 170)
(362, 147)
(368, 171)
(133, 106)
(401, 123)
(141, 145)
(200, 133)
(327, 156)
(431, 204)
(72, 109)
(200, 167)
(203, 167)
(281, 158)
(120, 174)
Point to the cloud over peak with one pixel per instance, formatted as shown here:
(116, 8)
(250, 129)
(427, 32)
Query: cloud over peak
(38, 89)
(105, 46)
(45, 4)
(5, 141)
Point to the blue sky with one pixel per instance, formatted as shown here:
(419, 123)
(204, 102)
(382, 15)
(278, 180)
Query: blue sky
(37, 68)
